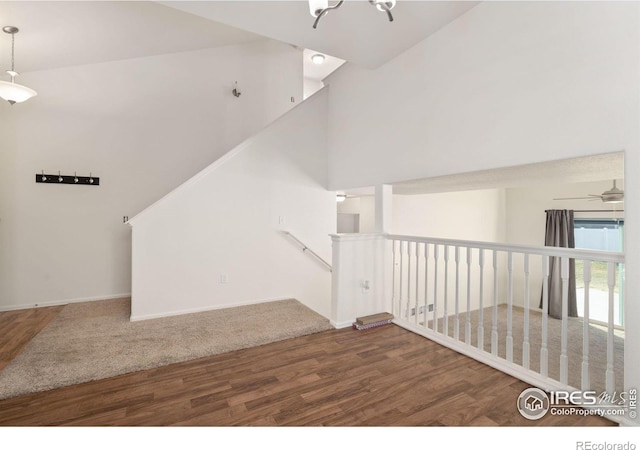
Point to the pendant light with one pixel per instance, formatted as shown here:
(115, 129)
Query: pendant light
(9, 90)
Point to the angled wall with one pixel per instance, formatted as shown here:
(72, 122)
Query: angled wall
(144, 126)
(217, 240)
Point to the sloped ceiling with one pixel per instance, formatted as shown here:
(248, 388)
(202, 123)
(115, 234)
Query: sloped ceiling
(356, 32)
(56, 34)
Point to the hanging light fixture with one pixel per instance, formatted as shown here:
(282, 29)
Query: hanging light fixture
(384, 6)
(319, 8)
(10, 91)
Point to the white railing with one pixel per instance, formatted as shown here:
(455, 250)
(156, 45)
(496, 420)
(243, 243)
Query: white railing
(440, 289)
(306, 249)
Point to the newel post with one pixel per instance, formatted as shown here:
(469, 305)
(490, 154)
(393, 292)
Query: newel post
(358, 285)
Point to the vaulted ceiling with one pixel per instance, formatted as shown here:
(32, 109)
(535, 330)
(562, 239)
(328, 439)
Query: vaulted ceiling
(56, 34)
(356, 32)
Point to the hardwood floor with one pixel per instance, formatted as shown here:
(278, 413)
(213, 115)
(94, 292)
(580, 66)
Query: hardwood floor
(17, 328)
(384, 376)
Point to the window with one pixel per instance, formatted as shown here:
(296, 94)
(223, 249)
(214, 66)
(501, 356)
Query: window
(604, 235)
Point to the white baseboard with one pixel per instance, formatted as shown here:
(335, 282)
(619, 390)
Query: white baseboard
(64, 302)
(343, 324)
(137, 318)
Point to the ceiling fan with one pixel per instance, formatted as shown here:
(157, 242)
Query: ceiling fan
(613, 195)
(342, 197)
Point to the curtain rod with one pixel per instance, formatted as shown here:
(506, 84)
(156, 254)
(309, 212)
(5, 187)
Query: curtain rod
(592, 210)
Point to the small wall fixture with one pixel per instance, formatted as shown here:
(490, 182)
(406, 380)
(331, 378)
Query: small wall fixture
(67, 179)
(10, 91)
(317, 58)
(341, 198)
(236, 91)
(320, 8)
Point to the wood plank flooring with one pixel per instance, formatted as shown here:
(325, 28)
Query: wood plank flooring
(17, 328)
(384, 376)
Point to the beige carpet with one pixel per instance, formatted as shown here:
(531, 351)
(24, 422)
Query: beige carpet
(95, 340)
(597, 344)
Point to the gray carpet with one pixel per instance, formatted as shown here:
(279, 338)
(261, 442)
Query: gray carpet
(96, 340)
(597, 344)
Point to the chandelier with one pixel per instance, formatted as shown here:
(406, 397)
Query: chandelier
(320, 8)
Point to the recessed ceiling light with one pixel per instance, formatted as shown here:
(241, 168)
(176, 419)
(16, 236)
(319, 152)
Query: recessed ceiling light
(317, 58)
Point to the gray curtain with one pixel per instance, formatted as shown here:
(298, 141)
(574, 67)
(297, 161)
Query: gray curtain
(559, 233)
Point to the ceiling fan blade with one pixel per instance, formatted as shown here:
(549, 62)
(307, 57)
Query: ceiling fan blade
(573, 198)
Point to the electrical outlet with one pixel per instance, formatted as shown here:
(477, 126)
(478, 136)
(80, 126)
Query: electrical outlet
(224, 278)
(430, 307)
(420, 310)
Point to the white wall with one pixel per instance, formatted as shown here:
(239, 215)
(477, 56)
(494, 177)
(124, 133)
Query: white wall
(226, 221)
(507, 83)
(467, 215)
(143, 126)
(311, 86)
(367, 214)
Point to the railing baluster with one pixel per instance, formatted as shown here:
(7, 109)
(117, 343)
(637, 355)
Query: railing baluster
(393, 278)
(408, 312)
(426, 285)
(564, 361)
(494, 321)
(480, 311)
(611, 281)
(544, 353)
(586, 382)
(525, 343)
(435, 287)
(445, 318)
(510, 308)
(467, 325)
(417, 281)
(400, 278)
(456, 320)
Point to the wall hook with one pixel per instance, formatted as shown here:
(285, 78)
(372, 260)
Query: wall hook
(67, 179)
(236, 92)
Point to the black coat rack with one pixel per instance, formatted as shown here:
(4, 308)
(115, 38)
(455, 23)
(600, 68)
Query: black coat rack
(67, 179)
